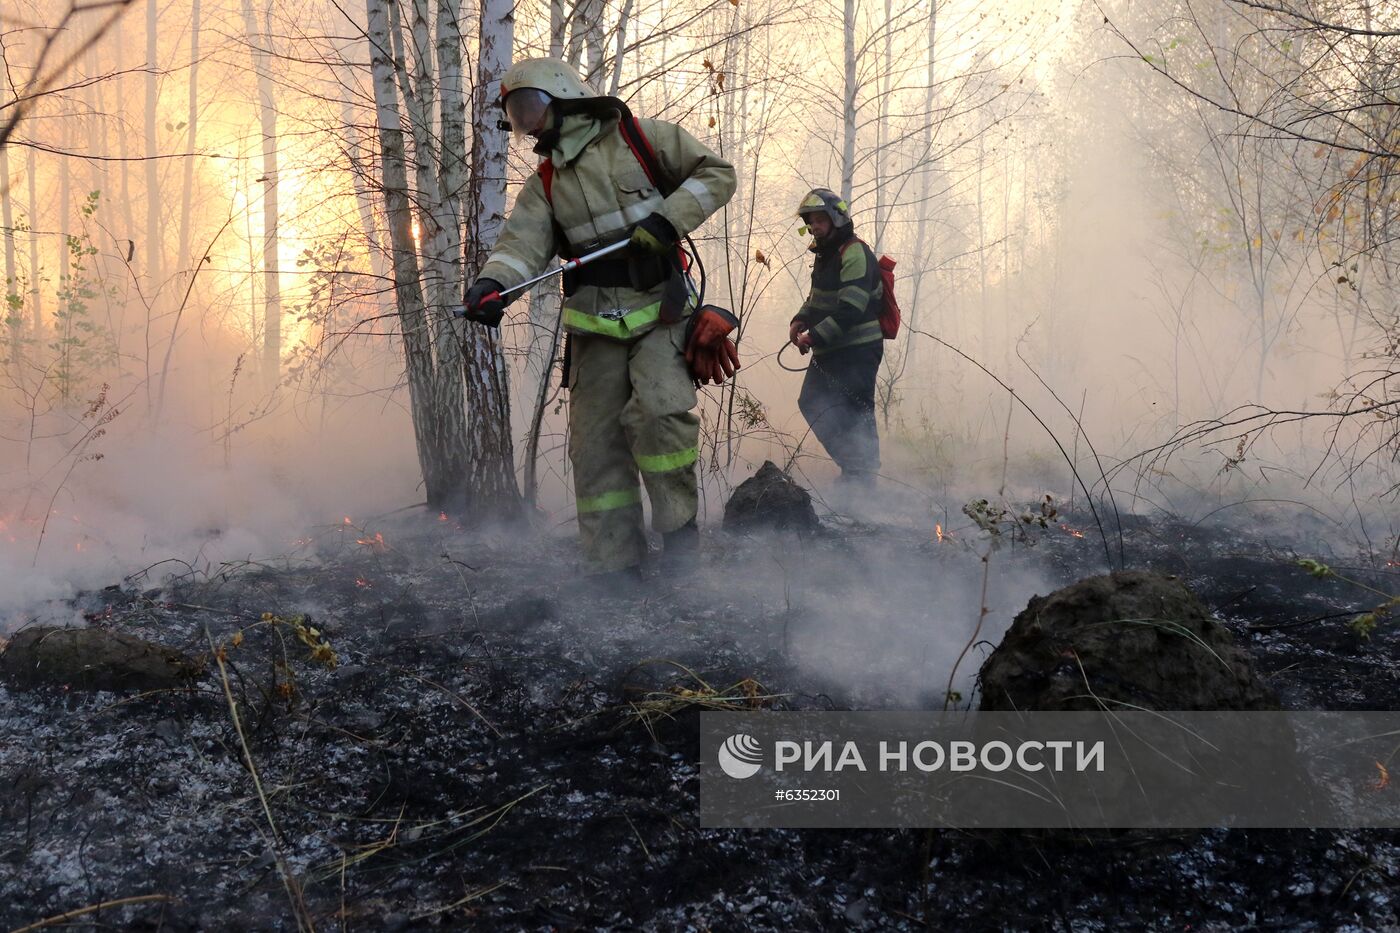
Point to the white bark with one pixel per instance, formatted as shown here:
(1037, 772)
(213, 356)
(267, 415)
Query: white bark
(848, 100)
(921, 238)
(408, 293)
(490, 455)
(445, 194)
(558, 26)
(128, 215)
(154, 266)
(13, 314)
(65, 198)
(586, 35)
(620, 47)
(882, 133)
(359, 174)
(258, 40)
(36, 296)
(191, 138)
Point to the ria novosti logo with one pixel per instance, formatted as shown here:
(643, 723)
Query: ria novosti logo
(740, 756)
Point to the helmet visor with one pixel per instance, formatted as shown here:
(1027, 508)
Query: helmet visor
(526, 109)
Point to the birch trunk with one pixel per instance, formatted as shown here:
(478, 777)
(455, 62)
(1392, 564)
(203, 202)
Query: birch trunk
(921, 237)
(620, 47)
(128, 214)
(13, 308)
(65, 197)
(408, 292)
(191, 125)
(267, 121)
(446, 243)
(155, 271)
(35, 294)
(359, 175)
(848, 99)
(490, 456)
(882, 134)
(558, 27)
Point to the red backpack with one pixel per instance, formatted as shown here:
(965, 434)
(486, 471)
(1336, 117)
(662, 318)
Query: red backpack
(889, 308)
(637, 141)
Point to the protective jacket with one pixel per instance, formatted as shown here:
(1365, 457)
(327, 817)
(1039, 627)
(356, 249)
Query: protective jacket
(843, 308)
(598, 193)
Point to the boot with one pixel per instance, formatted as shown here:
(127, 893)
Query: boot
(612, 583)
(681, 549)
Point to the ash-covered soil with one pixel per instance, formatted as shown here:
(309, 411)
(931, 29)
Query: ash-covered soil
(502, 745)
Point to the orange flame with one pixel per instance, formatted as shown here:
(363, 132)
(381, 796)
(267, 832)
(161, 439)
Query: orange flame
(938, 531)
(374, 544)
(1073, 531)
(1382, 782)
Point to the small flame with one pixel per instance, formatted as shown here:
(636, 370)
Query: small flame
(1073, 531)
(442, 516)
(938, 531)
(1382, 782)
(361, 581)
(375, 543)
(347, 520)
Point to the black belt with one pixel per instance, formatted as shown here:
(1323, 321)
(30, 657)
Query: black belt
(601, 273)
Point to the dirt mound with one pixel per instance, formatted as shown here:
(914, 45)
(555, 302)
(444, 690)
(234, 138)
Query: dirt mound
(1133, 637)
(770, 499)
(92, 659)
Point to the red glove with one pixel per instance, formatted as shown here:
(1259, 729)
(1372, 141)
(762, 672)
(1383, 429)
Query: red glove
(717, 366)
(710, 354)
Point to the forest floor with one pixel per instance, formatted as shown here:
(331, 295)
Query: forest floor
(487, 752)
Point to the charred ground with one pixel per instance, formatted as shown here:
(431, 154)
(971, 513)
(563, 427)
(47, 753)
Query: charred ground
(501, 745)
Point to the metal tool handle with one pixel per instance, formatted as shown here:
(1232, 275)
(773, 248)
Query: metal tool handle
(568, 266)
(461, 310)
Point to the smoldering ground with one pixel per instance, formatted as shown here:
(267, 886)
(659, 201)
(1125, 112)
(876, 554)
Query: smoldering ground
(503, 745)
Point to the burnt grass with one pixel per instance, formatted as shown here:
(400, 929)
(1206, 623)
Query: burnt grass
(473, 761)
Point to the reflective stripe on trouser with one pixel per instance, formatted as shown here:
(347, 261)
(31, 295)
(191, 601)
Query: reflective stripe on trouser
(838, 401)
(629, 409)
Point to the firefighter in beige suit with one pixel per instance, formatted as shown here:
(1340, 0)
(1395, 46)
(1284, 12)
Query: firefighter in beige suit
(631, 393)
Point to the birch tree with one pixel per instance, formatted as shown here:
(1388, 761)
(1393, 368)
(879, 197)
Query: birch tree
(191, 139)
(459, 398)
(258, 39)
(490, 456)
(155, 269)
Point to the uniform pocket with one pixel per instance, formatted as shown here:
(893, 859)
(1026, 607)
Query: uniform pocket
(633, 185)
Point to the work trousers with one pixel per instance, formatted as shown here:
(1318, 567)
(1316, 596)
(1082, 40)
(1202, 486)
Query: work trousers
(838, 401)
(630, 411)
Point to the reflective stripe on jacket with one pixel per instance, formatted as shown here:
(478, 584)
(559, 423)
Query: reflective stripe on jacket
(599, 192)
(843, 307)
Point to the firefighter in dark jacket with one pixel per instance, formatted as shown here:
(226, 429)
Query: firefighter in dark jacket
(839, 324)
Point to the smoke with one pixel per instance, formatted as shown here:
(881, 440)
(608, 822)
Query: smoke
(168, 497)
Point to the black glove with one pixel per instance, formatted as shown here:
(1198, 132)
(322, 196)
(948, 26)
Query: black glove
(653, 237)
(484, 304)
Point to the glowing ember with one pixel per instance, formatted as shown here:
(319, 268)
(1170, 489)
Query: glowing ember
(347, 520)
(375, 543)
(361, 581)
(442, 516)
(1382, 782)
(1073, 531)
